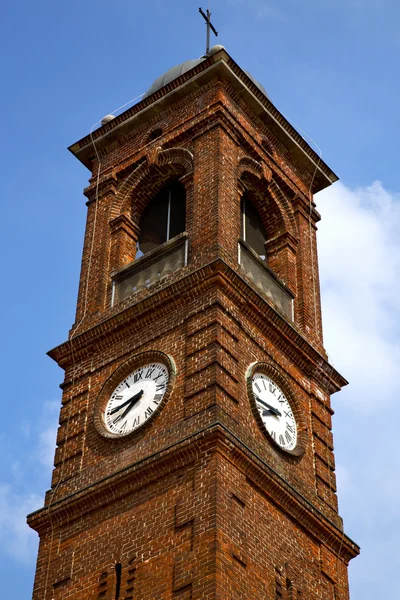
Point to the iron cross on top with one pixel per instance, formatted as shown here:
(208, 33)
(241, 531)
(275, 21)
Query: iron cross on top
(210, 26)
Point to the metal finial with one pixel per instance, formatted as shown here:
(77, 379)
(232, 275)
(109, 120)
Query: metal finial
(210, 27)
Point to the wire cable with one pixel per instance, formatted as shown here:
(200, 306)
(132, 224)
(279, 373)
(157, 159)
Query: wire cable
(93, 237)
(328, 376)
(75, 332)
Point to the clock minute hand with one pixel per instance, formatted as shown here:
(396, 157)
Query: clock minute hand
(270, 408)
(131, 401)
(126, 411)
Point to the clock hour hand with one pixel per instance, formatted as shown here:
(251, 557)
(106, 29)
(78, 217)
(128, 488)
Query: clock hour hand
(271, 410)
(126, 411)
(130, 401)
(134, 400)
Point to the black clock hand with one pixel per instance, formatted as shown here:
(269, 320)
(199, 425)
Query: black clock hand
(271, 409)
(126, 411)
(134, 400)
(131, 401)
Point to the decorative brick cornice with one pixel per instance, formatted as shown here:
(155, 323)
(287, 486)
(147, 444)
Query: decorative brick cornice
(125, 223)
(176, 294)
(306, 207)
(282, 240)
(220, 65)
(214, 438)
(218, 113)
(107, 187)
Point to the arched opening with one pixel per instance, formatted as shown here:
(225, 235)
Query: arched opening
(161, 242)
(260, 254)
(163, 219)
(252, 228)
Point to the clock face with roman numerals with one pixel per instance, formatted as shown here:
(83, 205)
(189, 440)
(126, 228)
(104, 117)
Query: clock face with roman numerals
(275, 411)
(136, 399)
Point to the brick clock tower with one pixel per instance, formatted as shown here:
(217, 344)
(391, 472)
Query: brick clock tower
(194, 454)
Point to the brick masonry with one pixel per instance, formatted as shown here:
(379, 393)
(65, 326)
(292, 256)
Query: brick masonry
(199, 504)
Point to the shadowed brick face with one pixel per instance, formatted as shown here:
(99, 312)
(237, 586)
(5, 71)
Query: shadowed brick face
(199, 503)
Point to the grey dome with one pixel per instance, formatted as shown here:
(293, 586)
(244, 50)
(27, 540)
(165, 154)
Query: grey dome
(172, 74)
(257, 83)
(179, 70)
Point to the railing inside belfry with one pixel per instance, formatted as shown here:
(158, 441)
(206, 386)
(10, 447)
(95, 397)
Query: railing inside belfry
(153, 266)
(266, 280)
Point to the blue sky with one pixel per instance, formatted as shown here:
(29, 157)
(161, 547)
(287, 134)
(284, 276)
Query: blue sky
(332, 69)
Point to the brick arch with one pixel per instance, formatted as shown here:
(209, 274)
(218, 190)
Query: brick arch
(127, 186)
(177, 156)
(270, 202)
(250, 165)
(283, 202)
(150, 176)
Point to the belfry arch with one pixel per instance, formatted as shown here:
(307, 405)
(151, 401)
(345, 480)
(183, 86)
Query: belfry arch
(160, 168)
(277, 216)
(149, 177)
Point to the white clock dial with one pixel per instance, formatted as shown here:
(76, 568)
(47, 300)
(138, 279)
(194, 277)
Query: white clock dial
(275, 411)
(136, 399)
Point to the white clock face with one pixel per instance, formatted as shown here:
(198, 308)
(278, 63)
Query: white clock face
(136, 399)
(275, 411)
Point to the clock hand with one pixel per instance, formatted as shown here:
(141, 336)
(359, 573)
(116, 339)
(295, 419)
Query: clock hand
(126, 411)
(131, 401)
(271, 409)
(268, 413)
(134, 400)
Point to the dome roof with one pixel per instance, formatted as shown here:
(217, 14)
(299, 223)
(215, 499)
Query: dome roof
(179, 70)
(172, 74)
(257, 83)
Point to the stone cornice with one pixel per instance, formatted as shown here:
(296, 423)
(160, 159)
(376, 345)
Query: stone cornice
(176, 294)
(221, 65)
(216, 114)
(214, 438)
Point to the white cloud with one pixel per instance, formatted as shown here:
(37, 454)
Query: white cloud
(24, 481)
(46, 446)
(17, 540)
(47, 438)
(359, 252)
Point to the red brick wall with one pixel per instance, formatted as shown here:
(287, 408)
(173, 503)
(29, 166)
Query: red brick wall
(199, 503)
(219, 135)
(197, 530)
